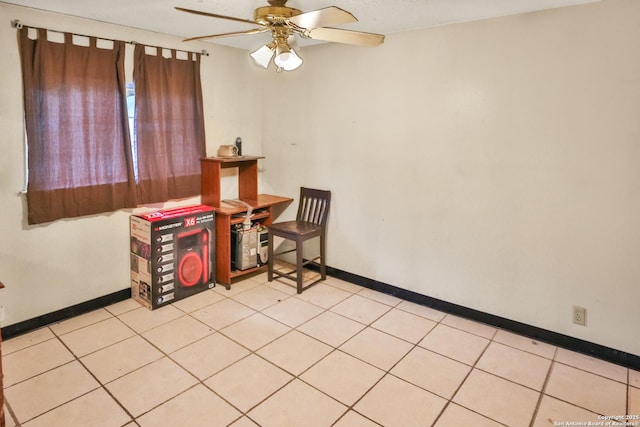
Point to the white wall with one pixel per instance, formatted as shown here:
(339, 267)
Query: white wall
(492, 164)
(54, 266)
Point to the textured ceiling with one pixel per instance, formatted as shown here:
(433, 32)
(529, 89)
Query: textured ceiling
(376, 16)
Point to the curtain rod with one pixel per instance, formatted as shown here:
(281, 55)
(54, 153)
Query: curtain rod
(203, 52)
(18, 25)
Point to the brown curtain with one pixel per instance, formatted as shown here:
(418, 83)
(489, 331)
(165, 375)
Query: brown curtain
(79, 153)
(169, 125)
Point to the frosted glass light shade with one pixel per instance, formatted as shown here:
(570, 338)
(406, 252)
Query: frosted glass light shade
(263, 56)
(287, 58)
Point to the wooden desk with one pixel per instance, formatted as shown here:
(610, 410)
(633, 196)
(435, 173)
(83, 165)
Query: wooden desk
(229, 214)
(225, 211)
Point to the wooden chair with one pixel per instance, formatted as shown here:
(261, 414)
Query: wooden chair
(311, 221)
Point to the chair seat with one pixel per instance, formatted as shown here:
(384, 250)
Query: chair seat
(297, 228)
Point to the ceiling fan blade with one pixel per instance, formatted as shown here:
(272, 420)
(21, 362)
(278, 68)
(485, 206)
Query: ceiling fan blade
(345, 36)
(214, 15)
(235, 33)
(322, 17)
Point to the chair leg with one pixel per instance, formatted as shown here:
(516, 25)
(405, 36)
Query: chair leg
(299, 261)
(323, 254)
(270, 257)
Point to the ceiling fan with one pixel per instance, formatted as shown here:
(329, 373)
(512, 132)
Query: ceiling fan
(284, 23)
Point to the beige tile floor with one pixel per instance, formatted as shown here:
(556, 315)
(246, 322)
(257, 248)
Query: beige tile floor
(336, 355)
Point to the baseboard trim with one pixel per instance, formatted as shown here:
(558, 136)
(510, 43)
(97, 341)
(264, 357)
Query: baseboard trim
(65, 313)
(570, 343)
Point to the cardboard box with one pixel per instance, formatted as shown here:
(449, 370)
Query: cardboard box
(172, 254)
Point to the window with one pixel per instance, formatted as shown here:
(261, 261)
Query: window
(98, 144)
(131, 114)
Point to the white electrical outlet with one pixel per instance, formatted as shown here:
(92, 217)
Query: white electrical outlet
(580, 316)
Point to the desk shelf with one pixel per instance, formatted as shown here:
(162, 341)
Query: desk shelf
(254, 217)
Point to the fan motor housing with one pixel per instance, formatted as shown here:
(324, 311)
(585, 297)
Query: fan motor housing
(269, 15)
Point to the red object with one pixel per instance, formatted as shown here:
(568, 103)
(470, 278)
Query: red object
(190, 269)
(172, 254)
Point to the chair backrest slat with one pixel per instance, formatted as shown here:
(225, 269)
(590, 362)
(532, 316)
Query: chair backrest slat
(313, 206)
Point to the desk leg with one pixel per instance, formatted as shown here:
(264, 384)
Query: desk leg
(223, 249)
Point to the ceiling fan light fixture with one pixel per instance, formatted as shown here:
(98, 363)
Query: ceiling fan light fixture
(286, 58)
(263, 56)
(285, 23)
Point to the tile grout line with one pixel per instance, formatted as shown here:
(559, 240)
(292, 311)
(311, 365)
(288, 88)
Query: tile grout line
(12, 414)
(168, 356)
(543, 389)
(325, 309)
(216, 331)
(255, 352)
(474, 366)
(58, 338)
(334, 349)
(141, 336)
(351, 407)
(627, 394)
(101, 385)
(184, 313)
(75, 359)
(553, 360)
